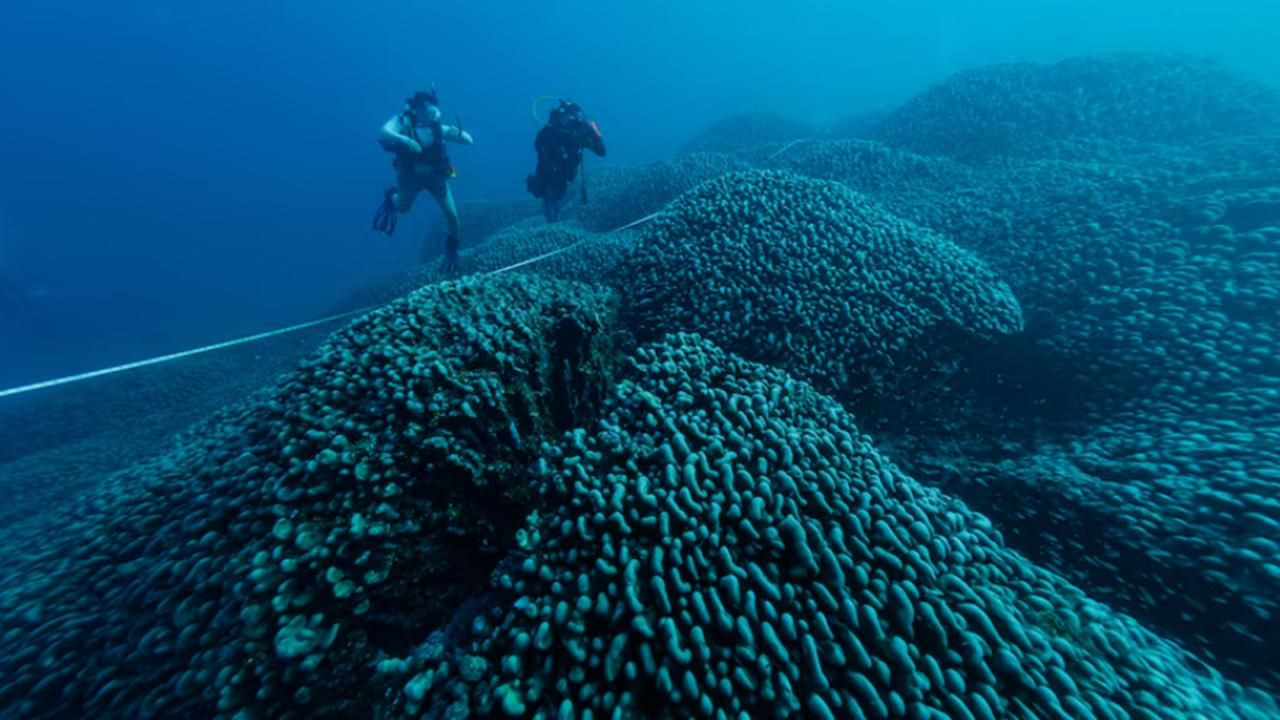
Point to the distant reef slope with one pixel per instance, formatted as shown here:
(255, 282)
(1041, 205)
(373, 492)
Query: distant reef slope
(743, 133)
(1081, 106)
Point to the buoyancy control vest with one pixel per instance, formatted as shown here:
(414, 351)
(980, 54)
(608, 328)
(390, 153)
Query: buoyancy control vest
(434, 158)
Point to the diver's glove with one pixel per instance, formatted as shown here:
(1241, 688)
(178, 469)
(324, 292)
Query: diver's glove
(449, 265)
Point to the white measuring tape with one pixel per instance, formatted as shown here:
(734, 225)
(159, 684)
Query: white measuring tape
(177, 355)
(573, 245)
(281, 331)
(787, 147)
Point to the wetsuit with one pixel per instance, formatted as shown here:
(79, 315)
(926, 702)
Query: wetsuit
(428, 169)
(559, 145)
(421, 163)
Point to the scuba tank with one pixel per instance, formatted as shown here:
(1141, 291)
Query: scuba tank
(569, 119)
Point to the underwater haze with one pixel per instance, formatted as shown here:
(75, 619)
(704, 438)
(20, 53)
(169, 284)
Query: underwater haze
(825, 360)
(181, 174)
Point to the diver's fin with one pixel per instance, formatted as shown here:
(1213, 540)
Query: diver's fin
(384, 219)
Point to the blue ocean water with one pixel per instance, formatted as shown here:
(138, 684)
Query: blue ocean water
(907, 360)
(180, 175)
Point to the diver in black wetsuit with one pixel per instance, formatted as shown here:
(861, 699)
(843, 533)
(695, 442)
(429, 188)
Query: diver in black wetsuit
(559, 145)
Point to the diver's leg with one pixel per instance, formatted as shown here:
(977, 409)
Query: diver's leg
(556, 197)
(444, 197)
(406, 192)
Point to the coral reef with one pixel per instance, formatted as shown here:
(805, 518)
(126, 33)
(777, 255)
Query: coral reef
(1129, 440)
(1151, 319)
(261, 568)
(811, 277)
(747, 132)
(620, 195)
(1090, 106)
(1130, 203)
(725, 543)
(593, 255)
(61, 441)
(1048, 292)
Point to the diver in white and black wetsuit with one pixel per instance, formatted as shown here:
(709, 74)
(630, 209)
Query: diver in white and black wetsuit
(417, 138)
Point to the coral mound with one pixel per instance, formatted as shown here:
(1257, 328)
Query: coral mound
(262, 569)
(567, 250)
(746, 132)
(620, 195)
(1087, 105)
(724, 543)
(809, 276)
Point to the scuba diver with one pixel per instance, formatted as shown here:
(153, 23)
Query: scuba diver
(559, 145)
(417, 138)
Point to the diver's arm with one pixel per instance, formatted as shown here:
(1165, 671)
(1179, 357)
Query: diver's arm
(594, 139)
(390, 134)
(456, 134)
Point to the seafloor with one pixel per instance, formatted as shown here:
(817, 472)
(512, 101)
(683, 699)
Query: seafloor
(968, 411)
